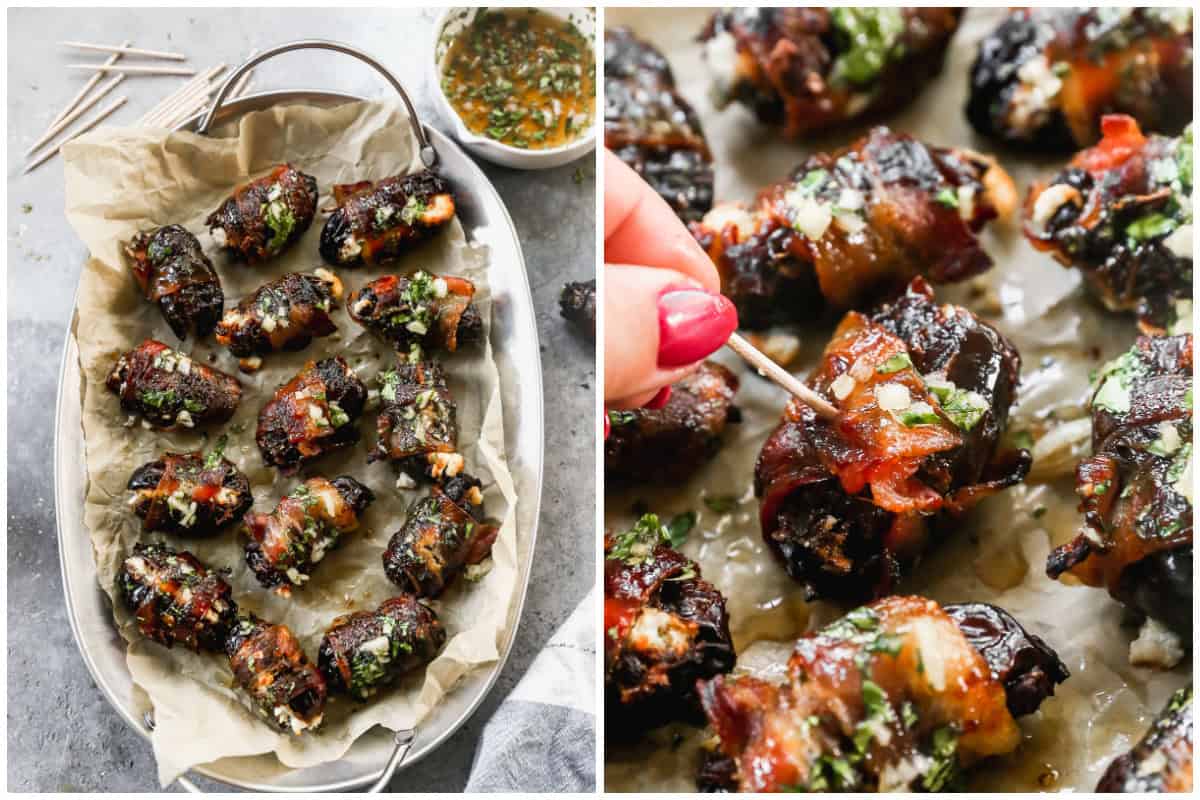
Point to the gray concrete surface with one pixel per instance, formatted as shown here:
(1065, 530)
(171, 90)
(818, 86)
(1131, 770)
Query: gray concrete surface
(62, 735)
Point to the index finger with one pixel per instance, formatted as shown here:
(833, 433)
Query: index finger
(640, 228)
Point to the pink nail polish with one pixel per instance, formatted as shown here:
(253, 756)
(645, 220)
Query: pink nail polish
(659, 400)
(692, 323)
(607, 425)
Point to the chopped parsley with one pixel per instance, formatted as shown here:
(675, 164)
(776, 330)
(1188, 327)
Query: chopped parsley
(918, 414)
(414, 209)
(157, 398)
(721, 504)
(679, 527)
(944, 773)
(621, 417)
(947, 197)
(894, 364)
(281, 221)
(869, 37)
(636, 545)
(217, 453)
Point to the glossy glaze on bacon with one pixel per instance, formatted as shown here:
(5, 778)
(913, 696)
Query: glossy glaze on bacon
(1162, 760)
(270, 666)
(170, 390)
(667, 445)
(263, 218)
(429, 312)
(651, 127)
(173, 273)
(311, 414)
(1045, 76)
(284, 547)
(855, 225)
(417, 423)
(282, 315)
(813, 69)
(923, 393)
(442, 534)
(189, 494)
(664, 628)
(901, 695)
(577, 305)
(1136, 489)
(367, 650)
(175, 598)
(378, 222)
(1121, 213)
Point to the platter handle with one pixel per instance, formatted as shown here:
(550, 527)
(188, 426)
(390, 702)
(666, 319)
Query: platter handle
(428, 153)
(403, 740)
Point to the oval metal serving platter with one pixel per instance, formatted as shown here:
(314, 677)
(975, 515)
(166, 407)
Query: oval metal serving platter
(515, 349)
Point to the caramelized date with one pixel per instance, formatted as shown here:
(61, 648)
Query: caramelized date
(416, 424)
(285, 314)
(1136, 489)
(1121, 213)
(270, 666)
(168, 389)
(651, 127)
(422, 311)
(900, 695)
(1045, 76)
(189, 494)
(285, 546)
(855, 225)
(923, 393)
(266, 216)
(175, 599)
(665, 627)
(173, 273)
(441, 535)
(311, 414)
(378, 222)
(667, 445)
(813, 69)
(367, 650)
(577, 305)
(1162, 760)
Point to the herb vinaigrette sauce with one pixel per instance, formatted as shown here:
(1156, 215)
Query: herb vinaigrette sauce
(522, 77)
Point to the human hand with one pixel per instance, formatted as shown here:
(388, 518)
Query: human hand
(663, 310)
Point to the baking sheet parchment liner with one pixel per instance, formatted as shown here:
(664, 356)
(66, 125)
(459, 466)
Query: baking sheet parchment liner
(121, 181)
(998, 554)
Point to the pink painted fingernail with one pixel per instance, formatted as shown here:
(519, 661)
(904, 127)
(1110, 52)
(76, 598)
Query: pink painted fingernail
(692, 324)
(659, 400)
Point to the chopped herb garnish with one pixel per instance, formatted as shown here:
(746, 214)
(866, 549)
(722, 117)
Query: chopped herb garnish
(721, 504)
(894, 364)
(947, 197)
(679, 527)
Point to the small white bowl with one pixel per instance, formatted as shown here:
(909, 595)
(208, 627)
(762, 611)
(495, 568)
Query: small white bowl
(448, 25)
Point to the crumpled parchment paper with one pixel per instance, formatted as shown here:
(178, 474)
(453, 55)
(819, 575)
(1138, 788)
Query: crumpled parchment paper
(121, 181)
(999, 555)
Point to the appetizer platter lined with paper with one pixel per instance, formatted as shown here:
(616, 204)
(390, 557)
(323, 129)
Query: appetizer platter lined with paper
(971, 233)
(297, 489)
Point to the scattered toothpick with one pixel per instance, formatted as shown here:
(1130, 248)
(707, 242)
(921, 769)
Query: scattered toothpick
(74, 115)
(125, 49)
(84, 128)
(130, 70)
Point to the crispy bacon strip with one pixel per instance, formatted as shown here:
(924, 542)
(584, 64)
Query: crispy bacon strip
(189, 494)
(176, 599)
(311, 414)
(423, 311)
(856, 225)
(270, 666)
(173, 273)
(266, 216)
(899, 695)
(1136, 489)
(1121, 214)
(1162, 760)
(923, 393)
(169, 390)
(284, 314)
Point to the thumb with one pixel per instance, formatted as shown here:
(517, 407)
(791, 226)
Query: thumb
(658, 325)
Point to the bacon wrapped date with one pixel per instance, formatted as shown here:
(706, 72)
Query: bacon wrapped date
(269, 664)
(377, 222)
(168, 389)
(416, 423)
(651, 127)
(664, 628)
(1162, 760)
(367, 650)
(311, 414)
(175, 599)
(266, 216)
(923, 393)
(667, 445)
(856, 225)
(577, 305)
(189, 494)
(813, 69)
(1045, 76)
(422, 311)
(1121, 213)
(442, 534)
(284, 314)
(1136, 489)
(900, 695)
(173, 273)
(284, 547)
